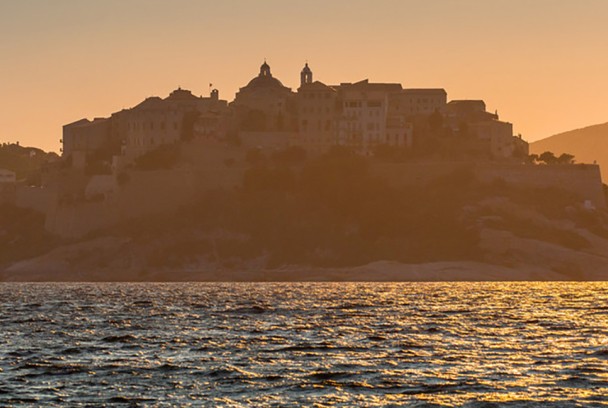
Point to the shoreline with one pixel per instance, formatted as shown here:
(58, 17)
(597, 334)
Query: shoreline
(380, 271)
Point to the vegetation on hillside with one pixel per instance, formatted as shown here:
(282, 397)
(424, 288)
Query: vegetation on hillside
(26, 162)
(327, 211)
(331, 211)
(162, 158)
(550, 158)
(589, 145)
(22, 234)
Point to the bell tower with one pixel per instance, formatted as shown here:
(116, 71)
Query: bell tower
(305, 75)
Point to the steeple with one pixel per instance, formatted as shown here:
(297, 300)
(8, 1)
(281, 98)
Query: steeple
(305, 75)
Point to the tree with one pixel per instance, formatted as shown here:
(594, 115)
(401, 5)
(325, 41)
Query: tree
(565, 158)
(547, 158)
(531, 158)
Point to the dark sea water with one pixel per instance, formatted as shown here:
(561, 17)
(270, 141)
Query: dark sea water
(341, 344)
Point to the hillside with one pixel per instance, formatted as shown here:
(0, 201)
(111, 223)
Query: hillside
(328, 218)
(24, 161)
(587, 145)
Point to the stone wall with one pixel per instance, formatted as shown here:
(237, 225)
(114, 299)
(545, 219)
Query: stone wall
(584, 180)
(145, 193)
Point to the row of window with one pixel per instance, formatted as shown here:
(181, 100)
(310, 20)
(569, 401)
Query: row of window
(305, 109)
(311, 95)
(375, 138)
(142, 141)
(359, 104)
(150, 126)
(320, 125)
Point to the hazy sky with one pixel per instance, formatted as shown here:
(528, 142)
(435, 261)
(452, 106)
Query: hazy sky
(543, 64)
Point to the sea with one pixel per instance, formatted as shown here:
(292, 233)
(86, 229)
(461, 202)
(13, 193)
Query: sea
(304, 344)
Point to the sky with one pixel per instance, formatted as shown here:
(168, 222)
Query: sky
(542, 64)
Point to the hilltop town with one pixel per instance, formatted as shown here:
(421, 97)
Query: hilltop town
(325, 176)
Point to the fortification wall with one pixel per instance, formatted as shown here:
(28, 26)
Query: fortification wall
(147, 193)
(417, 174)
(215, 165)
(584, 180)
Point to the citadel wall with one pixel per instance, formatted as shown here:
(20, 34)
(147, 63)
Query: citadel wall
(584, 180)
(146, 193)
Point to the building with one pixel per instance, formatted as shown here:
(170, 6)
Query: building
(264, 104)
(362, 123)
(130, 133)
(85, 136)
(413, 102)
(317, 110)
(495, 137)
(157, 121)
(266, 114)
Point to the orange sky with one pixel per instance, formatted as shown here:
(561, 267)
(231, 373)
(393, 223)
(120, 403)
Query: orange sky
(542, 64)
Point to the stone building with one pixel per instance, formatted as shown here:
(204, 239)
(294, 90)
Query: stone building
(364, 114)
(157, 121)
(85, 136)
(317, 110)
(413, 102)
(493, 135)
(130, 133)
(264, 104)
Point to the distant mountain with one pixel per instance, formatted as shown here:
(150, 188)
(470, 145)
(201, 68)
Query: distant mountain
(588, 145)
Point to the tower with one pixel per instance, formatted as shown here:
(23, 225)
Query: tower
(305, 75)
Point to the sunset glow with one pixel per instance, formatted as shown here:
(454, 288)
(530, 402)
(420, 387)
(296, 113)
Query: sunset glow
(541, 64)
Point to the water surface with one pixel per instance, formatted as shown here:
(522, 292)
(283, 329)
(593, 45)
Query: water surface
(285, 344)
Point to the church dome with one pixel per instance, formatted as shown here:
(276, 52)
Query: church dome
(265, 79)
(264, 82)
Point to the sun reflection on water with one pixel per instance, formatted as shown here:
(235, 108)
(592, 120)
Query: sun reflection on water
(442, 344)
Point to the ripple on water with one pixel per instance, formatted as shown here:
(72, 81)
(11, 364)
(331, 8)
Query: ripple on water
(353, 344)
